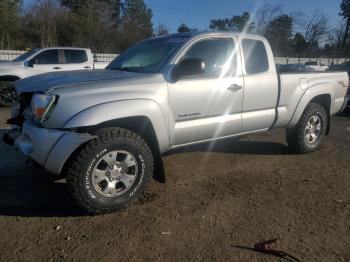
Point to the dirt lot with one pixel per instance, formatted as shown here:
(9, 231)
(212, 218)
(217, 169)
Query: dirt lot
(236, 194)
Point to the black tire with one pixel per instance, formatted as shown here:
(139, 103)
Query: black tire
(79, 173)
(296, 136)
(7, 94)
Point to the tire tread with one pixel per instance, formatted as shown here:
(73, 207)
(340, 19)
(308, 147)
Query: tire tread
(104, 136)
(295, 136)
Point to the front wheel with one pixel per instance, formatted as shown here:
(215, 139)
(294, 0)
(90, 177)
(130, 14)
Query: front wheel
(307, 135)
(110, 171)
(7, 94)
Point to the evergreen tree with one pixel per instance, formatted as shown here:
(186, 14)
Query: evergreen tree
(299, 45)
(183, 28)
(279, 33)
(9, 23)
(136, 22)
(237, 23)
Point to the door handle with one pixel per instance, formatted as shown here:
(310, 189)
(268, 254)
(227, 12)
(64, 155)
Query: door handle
(234, 87)
(56, 68)
(87, 67)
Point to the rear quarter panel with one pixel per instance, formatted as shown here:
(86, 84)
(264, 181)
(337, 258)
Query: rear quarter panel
(297, 90)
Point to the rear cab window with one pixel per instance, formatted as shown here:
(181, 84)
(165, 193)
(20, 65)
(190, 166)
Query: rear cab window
(255, 56)
(72, 56)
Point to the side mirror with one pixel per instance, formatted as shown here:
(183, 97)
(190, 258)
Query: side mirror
(189, 67)
(30, 63)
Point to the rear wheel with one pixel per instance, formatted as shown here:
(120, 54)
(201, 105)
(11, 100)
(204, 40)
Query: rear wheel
(110, 171)
(307, 135)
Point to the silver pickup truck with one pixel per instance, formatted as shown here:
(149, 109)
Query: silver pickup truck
(106, 130)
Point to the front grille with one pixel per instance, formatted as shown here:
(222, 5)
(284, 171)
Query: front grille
(18, 117)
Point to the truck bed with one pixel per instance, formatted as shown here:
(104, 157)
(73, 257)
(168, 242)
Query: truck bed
(292, 87)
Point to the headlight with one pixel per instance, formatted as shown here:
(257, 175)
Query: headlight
(42, 105)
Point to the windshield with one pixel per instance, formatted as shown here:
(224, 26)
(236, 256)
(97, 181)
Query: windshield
(24, 56)
(147, 56)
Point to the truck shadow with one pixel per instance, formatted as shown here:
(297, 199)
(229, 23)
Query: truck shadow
(35, 194)
(345, 113)
(27, 190)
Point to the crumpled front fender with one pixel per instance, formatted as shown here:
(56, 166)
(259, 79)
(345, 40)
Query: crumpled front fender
(101, 113)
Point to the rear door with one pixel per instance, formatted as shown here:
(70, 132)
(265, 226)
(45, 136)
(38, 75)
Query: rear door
(75, 59)
(209, 105)
(260, 84)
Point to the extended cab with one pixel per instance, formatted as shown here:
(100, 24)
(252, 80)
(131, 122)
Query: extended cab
(107, 129)
(39, 61)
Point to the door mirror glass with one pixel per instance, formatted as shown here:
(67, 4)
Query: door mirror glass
(189, 67)
(30, 63)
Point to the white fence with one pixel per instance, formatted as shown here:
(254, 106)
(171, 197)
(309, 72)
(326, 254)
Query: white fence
(104, 57)
(296, 60)
(9, 55)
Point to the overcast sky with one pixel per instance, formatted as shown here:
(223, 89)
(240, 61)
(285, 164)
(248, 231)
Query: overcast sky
(197, 13)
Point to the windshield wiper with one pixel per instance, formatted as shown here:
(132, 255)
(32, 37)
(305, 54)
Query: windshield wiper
(127, 69)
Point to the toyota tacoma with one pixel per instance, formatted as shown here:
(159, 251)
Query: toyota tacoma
(106, 130)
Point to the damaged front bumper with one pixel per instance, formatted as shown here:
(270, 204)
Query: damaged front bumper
(50, 148)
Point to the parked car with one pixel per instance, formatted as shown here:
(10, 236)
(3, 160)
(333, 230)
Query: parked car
(317, 66)
(294, 68)
(106, 130)
(342, 67)
(39, 61)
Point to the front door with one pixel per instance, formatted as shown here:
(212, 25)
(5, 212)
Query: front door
(209, 105)
(44, 62)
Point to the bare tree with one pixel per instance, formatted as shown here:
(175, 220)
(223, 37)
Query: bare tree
(336, 35)
(9, 23)
(42, 19)
(345, 12)
(335, 39)
(265, 15)
(317, 28)
(162, 29)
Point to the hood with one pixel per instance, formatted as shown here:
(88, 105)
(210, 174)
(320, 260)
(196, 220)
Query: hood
(55, 80)
(9, 64)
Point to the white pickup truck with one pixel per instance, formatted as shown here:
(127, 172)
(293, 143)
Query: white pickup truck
(106, 130)
(44, 60)
(317, 65)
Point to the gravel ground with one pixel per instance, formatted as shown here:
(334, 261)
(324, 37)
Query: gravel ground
(215, 198)
(4, 115)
